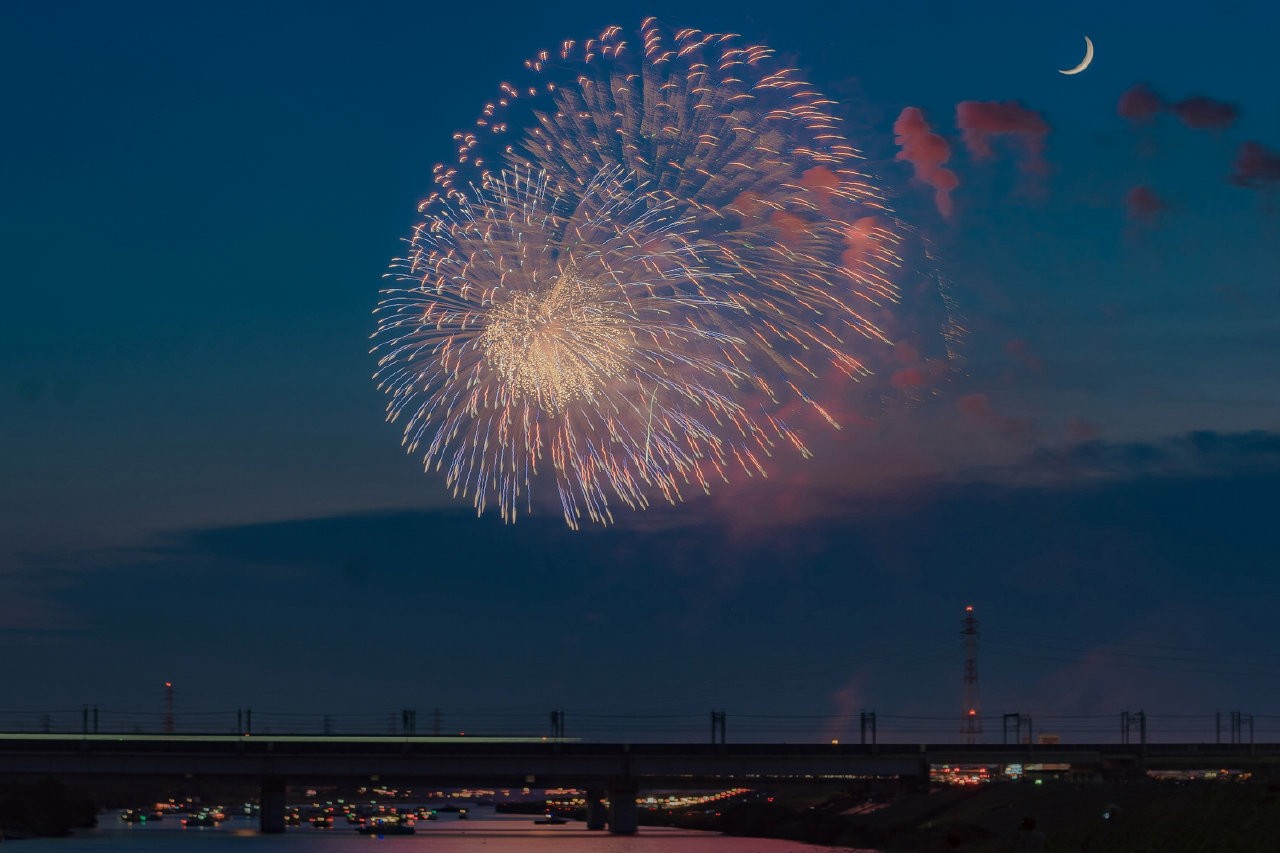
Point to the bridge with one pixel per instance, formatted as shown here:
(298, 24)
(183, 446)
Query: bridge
(616, 771)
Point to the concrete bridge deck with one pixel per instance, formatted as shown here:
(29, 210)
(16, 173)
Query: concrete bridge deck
(506, 762)
(616, 771)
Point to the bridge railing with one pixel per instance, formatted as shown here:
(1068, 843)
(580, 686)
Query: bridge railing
(717, 726)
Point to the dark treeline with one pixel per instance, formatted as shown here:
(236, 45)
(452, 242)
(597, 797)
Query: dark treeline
(1140, 817)
(43, 808)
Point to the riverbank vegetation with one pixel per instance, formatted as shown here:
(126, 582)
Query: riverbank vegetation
(43, 808)
(1129, 817)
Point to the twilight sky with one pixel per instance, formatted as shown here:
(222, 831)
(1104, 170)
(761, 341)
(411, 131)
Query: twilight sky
(196, 482)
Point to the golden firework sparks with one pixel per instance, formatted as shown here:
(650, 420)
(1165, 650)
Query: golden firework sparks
(561, 344)
(643, 259)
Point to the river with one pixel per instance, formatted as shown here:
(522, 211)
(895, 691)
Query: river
(485, 831)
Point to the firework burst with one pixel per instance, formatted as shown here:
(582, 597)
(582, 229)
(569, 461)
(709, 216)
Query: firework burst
(640, 259)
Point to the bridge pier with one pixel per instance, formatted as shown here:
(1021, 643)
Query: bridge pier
(596, 813)
(271, 816)
(919, 781)
(624, 817)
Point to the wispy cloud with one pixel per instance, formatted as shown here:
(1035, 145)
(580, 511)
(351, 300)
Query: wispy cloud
(927, 152)
(981, 122)
(1256, 166)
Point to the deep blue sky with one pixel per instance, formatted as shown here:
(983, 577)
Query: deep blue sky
(196, 482)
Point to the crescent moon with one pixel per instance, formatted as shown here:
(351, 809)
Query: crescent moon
(1084, 63)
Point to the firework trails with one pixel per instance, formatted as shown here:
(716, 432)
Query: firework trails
(641, 260)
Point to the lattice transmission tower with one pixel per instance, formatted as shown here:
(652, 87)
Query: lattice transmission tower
(168, 708)
(971, 713)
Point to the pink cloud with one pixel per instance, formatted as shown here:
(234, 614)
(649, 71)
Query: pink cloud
(848, 702)
(865, 244)
(926, 151)
(981, 120)
(1079, 429)
(748, 206)
(1205, 113)
(905, 353)
(1143, 204)
(977, 409)
(1139, 104)
(1021, 350)
(908, 377)
(975, 406)
(825, 184)
(916, 439)
(1256, 166)
(791, 228)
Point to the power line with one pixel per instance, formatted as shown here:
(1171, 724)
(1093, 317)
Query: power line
(1102, 651)
(1061, 638)
(1123, 664)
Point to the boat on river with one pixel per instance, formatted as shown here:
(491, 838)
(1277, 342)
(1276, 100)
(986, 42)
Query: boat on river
(387, 825)
(551, 820)
(200, 819)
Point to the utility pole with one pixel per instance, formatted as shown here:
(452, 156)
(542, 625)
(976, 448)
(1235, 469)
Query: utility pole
(971, 714)
(1238, 723)
(717, 727)
(1016, 722)
(1130, 720)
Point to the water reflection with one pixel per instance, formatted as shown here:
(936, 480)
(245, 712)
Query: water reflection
(485, 831)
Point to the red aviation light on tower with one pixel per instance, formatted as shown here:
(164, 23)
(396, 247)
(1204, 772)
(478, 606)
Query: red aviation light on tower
(168, 708)
(970, 719)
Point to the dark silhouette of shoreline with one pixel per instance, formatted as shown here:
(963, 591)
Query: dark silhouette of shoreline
(47, 808)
